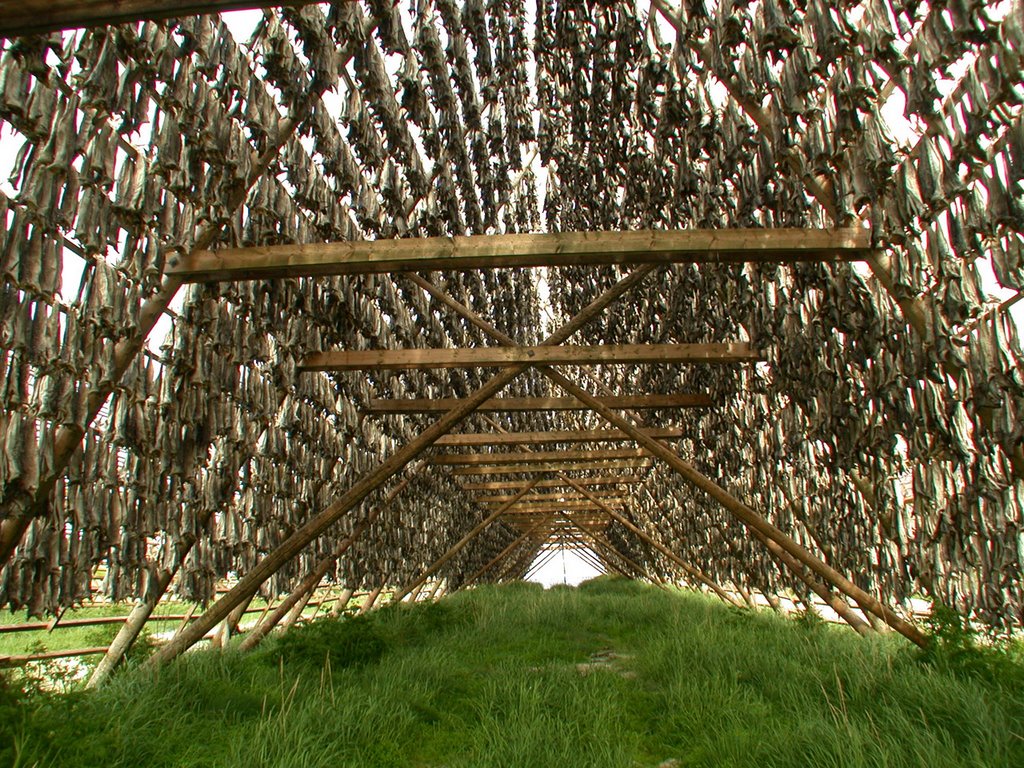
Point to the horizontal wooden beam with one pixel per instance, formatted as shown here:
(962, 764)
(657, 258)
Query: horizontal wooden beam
(524, 404)
(503, 357)
(424, 254)
(555, 496)
(531, 457)
(470, 439)
(524, 507)
(33, 17)
(509, 485)
(552, 466)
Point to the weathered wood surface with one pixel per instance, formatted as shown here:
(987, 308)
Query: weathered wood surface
(425, 254)
(520, 404)
(569, 496)
(552, 466)
(531, 457)
(469, 439)
(31, 17)
(526, 505)
(509, 485)
(500, 357)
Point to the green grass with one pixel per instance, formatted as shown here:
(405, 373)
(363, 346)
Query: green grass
(517, 676)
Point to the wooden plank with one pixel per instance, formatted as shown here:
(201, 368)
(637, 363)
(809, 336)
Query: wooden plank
(525, 404)
(525, 505)
(552, 466)
(31, 17)
(425, 254)
(500, 357)
(568, 496)
(530, 457)
(471, 439)
(510, 485)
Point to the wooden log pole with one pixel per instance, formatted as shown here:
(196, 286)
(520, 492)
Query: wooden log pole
(833, 601)
(306, 586)
(229, 626)
(371, 598)
(309, 584)
(341, 603)
(744, 513)
(320, 523)
(503, 356)
(428, 254)
(35, 17)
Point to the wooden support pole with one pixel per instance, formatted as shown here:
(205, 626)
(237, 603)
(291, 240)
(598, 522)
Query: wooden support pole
(538, 564)
(342, 602)
(511, 485)
(309, 584)
(744, 513)
(527, 506)
(229, 626)
(746, 597)
(306, 586)
(411, 405)
(690, 570)
(371, 598)
(296, 612)
(830, 599)
(427, 254)
(433, 591)
(476, 439)
(457, 547)
(605, 546)
(500, 357)
(319, 524)
(532, 457)
(611, 497)
(552, 466)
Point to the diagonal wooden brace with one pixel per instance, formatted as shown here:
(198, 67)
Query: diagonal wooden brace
(744, 513)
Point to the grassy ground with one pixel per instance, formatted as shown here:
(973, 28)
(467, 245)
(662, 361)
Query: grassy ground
(610, 674)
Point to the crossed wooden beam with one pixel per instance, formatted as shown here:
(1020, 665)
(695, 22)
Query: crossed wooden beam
(319, 524)
(760, 527)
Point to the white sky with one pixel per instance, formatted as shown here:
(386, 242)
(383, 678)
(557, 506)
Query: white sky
(567, 567)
